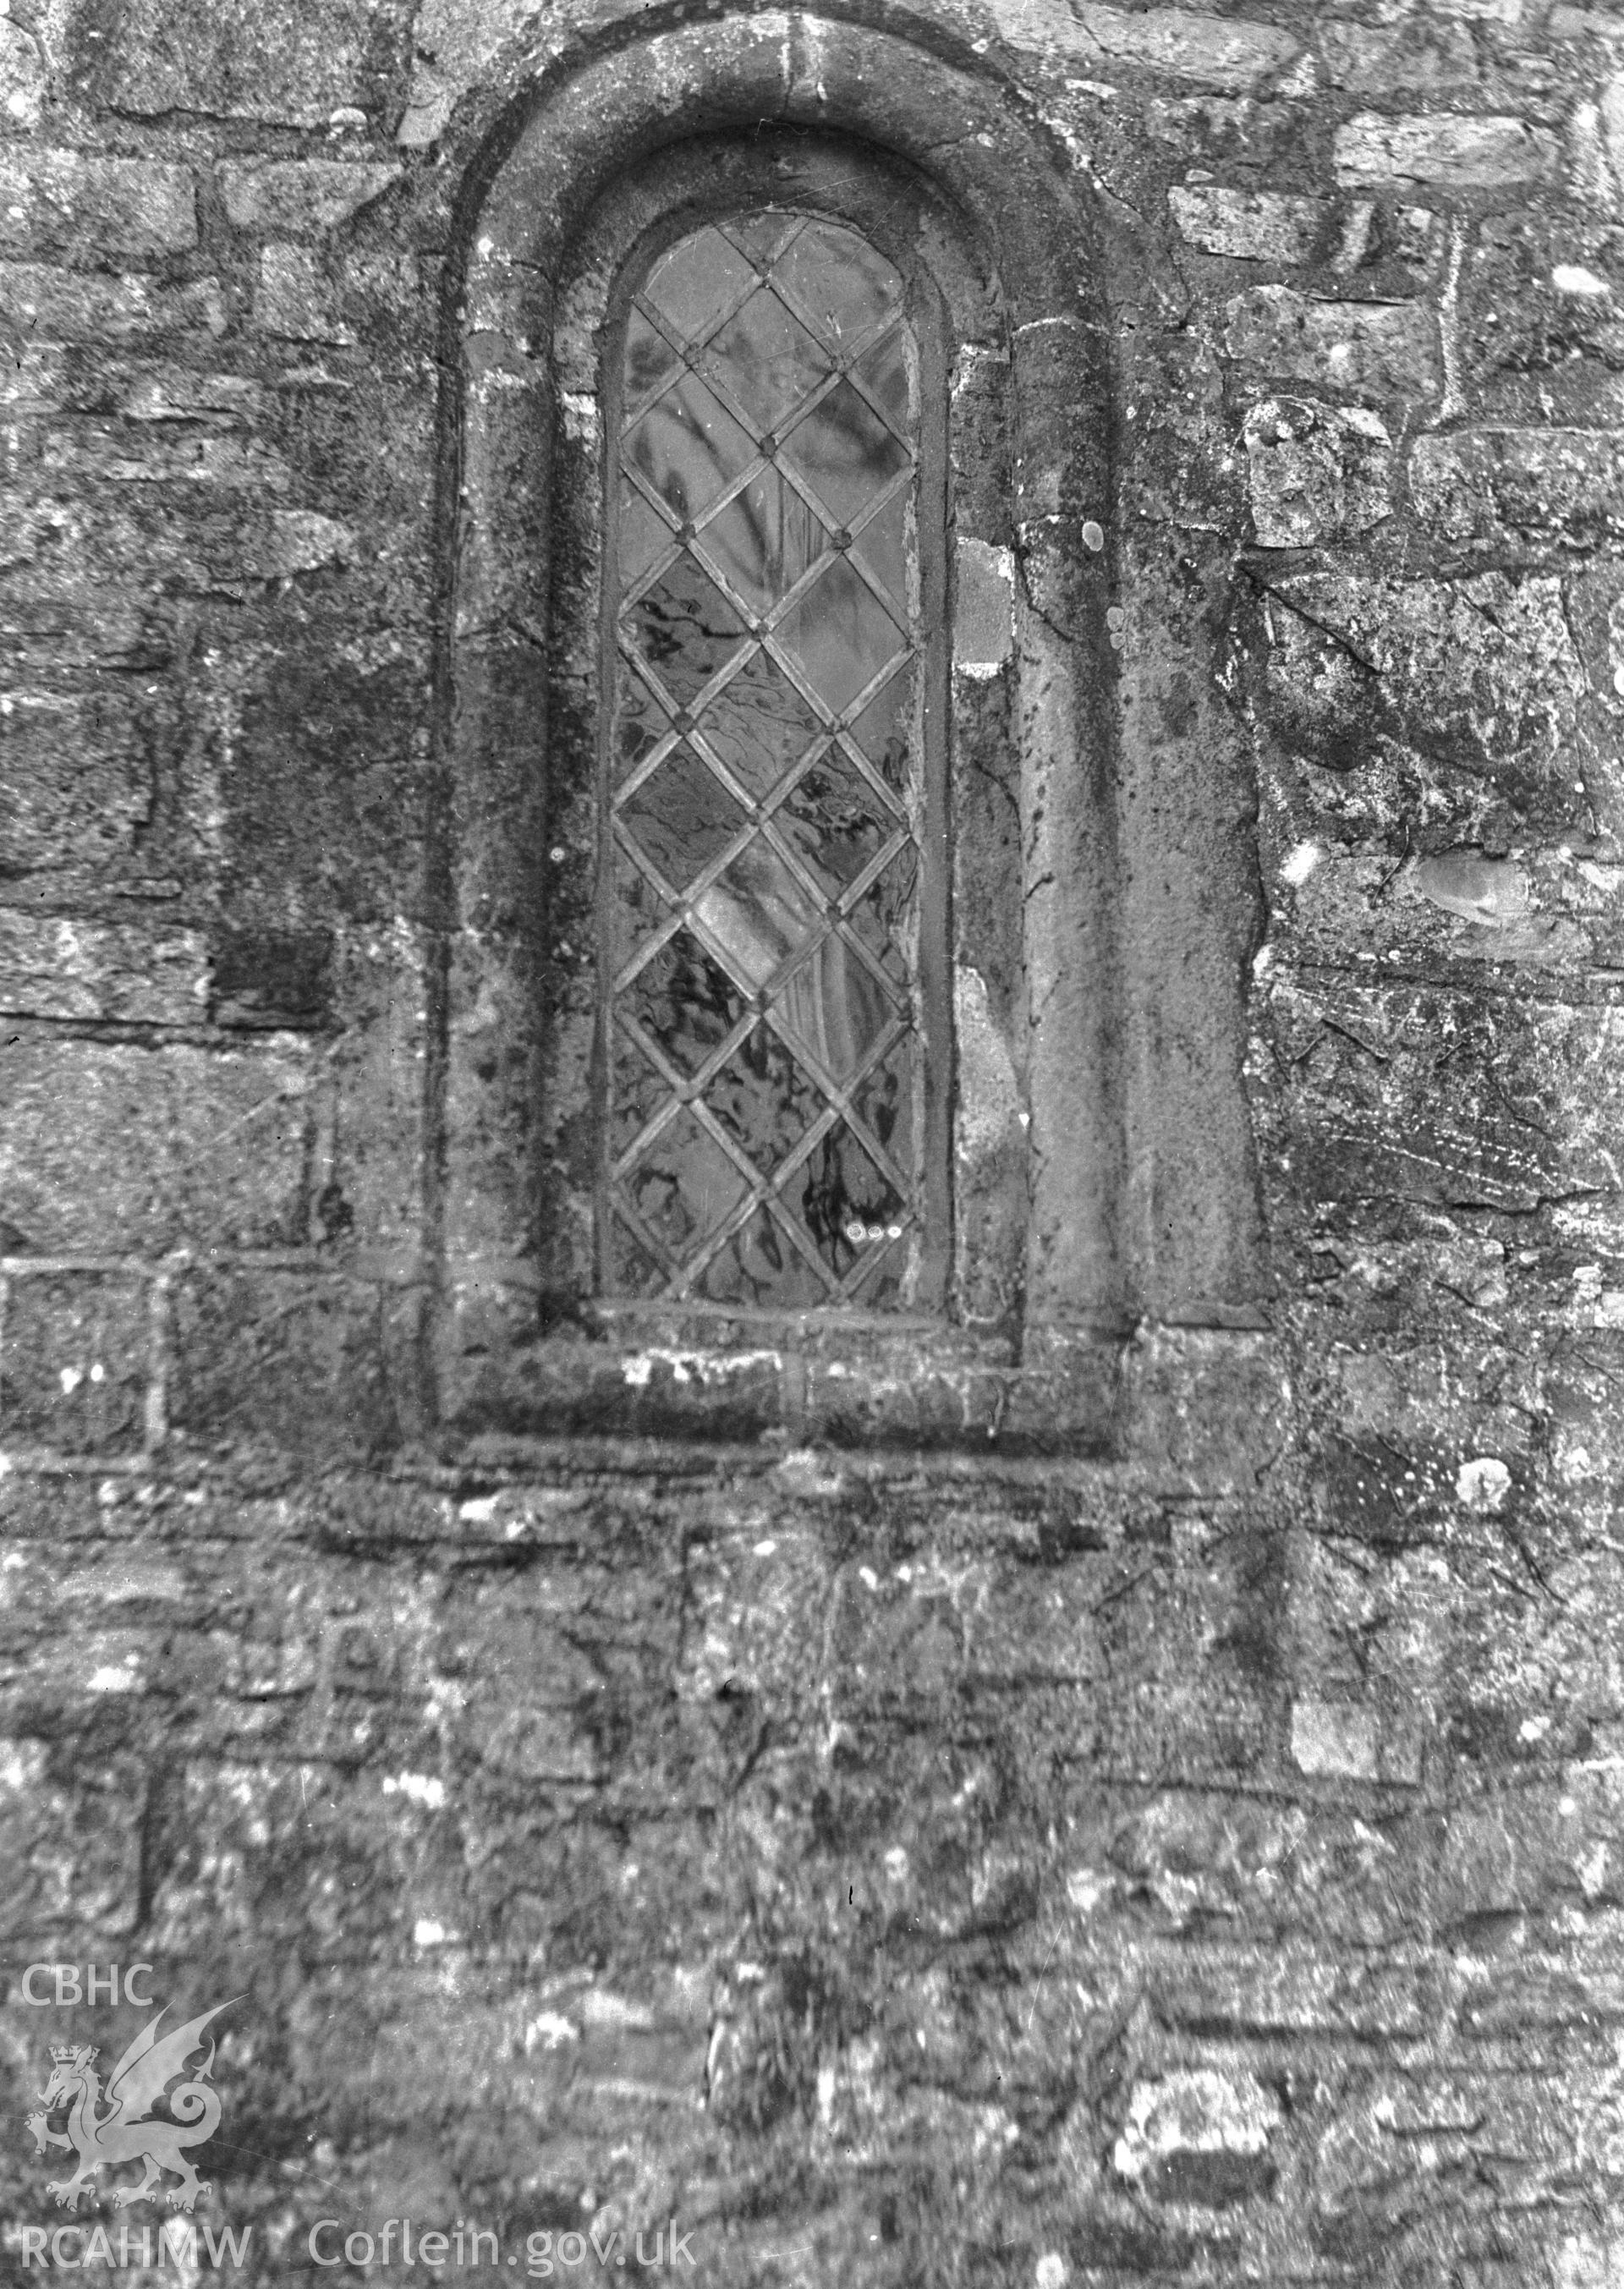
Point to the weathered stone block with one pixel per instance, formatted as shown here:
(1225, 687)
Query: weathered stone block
(1345, 1740)
(230, 60)
(1586, 1428)
(295, 299)
(291, 1358)
(1339, 909)
(61, 968)
(983, 615)
(1190, 1670)
(1198, 2136)
(1218, 52)
(156, 392)
(1216, 1864)
(74, 1362)
(92, 454)
(1377, 348)
(63, 203)
(500, 1373)
(1493, 486)
(1407, 1096)
(1386, 2164)
(300, 198)
(1450, 152)
(74, 782)
(122, 1151)
(1481, 672)
(263, 980)
(275, 546)
(1237, 1994)
(901, 1395)
(22, 78)
(1252, 226)
(1538, 288)
(1315, 472)
(70, 1829)
(1398, 58)
(1532, 1851)
(61, 305)
(1207, 1405)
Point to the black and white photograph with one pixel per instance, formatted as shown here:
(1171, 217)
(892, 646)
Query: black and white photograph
(812, 1143)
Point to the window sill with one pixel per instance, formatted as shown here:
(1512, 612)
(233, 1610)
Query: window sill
(1205, 1404)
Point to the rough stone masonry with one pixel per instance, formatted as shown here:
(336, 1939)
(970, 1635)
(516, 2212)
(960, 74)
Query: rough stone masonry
(897, 1859)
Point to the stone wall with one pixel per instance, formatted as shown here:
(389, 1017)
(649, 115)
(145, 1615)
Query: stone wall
(1195, 1860)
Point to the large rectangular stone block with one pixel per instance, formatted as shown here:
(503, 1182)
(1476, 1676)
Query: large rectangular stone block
(292, 1359)
(1480, 672)
(74, 782)
(74, 1362)
(1252, 226)
(1496, 485)
(235, 60)
(61, 203)
(119, 1150)
(61, 968)
(1217, 51)
(1451, 152)
(87, 580)
(1380, 348)
(65, 305)
(1297, 1996)
(1422, 1094)
(300, 198)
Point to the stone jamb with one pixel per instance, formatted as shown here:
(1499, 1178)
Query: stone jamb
(509, 1352)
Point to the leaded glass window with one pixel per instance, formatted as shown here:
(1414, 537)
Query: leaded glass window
(766, 814)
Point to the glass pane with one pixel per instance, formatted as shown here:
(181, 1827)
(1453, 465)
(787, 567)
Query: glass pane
(650, 359)
(766, 360)
(631, 1269)
(884, 1100)
(882, 730)
(759, 915)
(682, 816)
(883, 372)
(761, 1264)
(881, 548)
(845, 452)
(845, 286)
(762, 236)
(637, 910)
(688, 447)
(641, 723)
(881, 915)
(760, 725)
(841, 635)
(684, 1186)
(834, 1008)
(835, 820)
(763, 540)
(845, 1203)
(644, 536)
(697, 283)
(640, 1093)
(685, 628)
(764, 1100)
(685, 1003)
(784, 1015)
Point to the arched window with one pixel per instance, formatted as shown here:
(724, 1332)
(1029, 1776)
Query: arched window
(772, 923)
(834, 1021)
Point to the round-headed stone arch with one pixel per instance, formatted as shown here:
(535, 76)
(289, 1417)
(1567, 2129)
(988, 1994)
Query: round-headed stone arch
(543, 171)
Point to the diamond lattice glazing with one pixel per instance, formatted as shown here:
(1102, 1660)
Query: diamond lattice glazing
(761, 917)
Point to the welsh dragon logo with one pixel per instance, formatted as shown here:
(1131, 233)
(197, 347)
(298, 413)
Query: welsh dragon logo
(128, 2132)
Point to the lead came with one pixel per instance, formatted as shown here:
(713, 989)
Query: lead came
(764, 1131)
